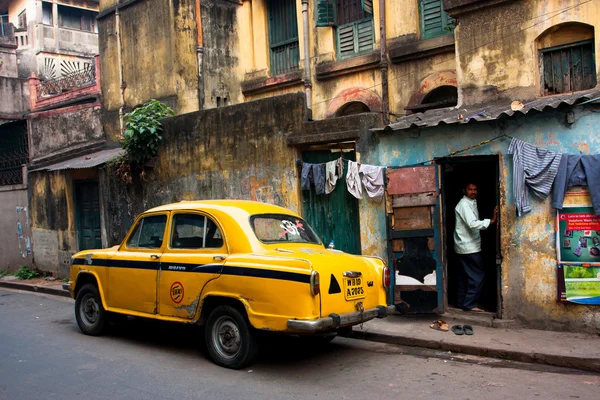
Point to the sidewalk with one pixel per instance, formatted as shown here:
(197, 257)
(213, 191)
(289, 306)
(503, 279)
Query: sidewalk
(39, 285)
(563, 349)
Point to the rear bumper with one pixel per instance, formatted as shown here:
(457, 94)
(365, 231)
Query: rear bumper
(334, 321)
(67, 286)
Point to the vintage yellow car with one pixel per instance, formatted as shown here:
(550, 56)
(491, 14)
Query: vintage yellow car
(232, 266)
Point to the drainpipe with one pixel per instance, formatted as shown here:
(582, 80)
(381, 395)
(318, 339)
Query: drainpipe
(385, 98)
(307, 79)
(120, 61)
(200, 55)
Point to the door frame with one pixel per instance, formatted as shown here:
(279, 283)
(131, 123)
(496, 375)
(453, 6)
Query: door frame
(500, 188)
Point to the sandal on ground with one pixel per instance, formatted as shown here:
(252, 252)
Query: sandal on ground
(457, 329)
(468, 329)
(439, 325)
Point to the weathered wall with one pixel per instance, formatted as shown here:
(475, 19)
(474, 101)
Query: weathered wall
(528, 243)
(497, 51)
(158, 57)
(57, 132)
(222, 35)
(18, 91)
(15, 234)
(237, 152)
(52, 210)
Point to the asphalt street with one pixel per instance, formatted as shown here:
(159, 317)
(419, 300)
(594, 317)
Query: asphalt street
(44, 356)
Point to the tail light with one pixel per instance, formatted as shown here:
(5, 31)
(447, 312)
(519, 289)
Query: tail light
(386, 277)
(315, 283)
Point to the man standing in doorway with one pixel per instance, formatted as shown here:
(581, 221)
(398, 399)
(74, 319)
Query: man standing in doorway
(467, 244)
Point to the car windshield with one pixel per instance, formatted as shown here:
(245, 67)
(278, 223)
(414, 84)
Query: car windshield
(281, 228)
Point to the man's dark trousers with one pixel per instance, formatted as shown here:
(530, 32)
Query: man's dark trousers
(470, 282)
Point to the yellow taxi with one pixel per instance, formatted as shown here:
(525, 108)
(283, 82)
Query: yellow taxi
(233, 266)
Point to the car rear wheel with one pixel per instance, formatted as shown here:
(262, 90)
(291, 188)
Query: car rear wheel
(229, 338)
(89, 313)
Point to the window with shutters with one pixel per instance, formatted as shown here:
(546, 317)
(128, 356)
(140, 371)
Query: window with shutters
(23, 20)
(434, 20)
(353, 22)
(14, 152)
(283, 36)
(568, 68)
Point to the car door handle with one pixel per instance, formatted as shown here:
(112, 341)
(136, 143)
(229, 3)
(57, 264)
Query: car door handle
(154, 256)
(219, 258)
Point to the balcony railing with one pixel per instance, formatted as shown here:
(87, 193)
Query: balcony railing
(68, 88)
(74, 80)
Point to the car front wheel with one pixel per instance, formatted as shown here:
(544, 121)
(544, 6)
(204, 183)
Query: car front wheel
(229, 338)
(89, 313)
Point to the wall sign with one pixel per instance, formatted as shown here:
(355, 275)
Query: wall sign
(578, 249)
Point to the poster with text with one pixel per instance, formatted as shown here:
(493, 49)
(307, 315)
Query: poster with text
(582, 284)
(578, 235)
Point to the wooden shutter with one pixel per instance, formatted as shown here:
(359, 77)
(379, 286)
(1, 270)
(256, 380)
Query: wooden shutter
(434, 20)
(364, 35)
(367, 6)
(326, 13)
(346, 40)
(355, 38)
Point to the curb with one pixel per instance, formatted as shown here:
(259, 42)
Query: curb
(35, 288)
(584, 364)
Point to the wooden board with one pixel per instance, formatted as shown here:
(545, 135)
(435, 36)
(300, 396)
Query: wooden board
(411, 218)
(411, 180)
(414, 200)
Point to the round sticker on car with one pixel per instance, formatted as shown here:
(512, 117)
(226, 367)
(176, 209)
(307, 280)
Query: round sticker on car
(176, 292)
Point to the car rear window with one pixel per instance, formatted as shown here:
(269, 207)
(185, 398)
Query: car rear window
(281, 228)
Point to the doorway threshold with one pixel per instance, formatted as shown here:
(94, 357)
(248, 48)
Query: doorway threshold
(475, 318)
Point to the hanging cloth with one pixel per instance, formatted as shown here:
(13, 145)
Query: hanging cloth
(372, 179)
(306, 178)
(353, 180)
(534, 168)
(318, 172)
(331, 176)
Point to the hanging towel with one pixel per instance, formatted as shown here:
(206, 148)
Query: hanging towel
(331, 176)
(340, 167)
(534, 168)
(306, 178)
(318, 172)
(373, 180)
(353, 180)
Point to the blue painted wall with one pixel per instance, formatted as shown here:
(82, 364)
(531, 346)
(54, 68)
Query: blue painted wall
(528, 242)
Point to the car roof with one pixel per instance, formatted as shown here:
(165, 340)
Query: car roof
(250, 207)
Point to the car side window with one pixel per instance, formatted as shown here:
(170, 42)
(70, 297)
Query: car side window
(148, 233)
(194, 231)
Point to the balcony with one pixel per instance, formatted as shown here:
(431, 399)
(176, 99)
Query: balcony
(70, 87)
(64, 40)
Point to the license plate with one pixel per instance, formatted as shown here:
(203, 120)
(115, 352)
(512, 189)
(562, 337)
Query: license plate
(353, 288)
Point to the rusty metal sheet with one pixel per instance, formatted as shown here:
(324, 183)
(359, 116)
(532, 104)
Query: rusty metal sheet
(411, 180)
(411, 218)
(414, 200)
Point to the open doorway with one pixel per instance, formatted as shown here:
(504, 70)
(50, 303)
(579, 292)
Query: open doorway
(484, 171)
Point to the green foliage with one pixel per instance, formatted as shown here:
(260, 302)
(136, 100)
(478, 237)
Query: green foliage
(3, 272)
(582, 286)
(580, 272)
(143, 130)
(25, 273)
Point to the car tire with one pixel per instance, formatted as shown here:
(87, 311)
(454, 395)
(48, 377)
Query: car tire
(89, 312)
(230, 339)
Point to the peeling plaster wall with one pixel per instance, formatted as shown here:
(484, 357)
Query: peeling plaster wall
(497, 55)
(58, 132)
(52, 212)
(528, 242)
(16, 233)
(158, 58)
(237, 152)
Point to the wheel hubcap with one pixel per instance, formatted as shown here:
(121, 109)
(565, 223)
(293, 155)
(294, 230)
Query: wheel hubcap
(226, 337)
(89, 310)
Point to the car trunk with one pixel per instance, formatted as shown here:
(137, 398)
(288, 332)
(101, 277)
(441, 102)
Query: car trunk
(341, 294)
